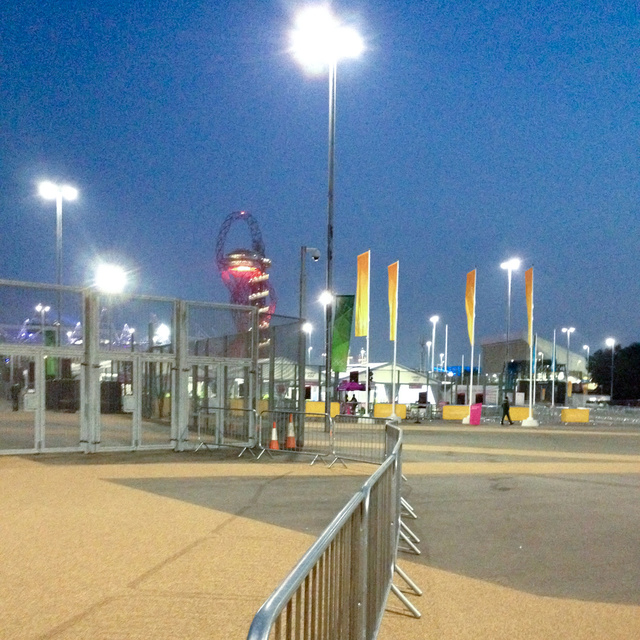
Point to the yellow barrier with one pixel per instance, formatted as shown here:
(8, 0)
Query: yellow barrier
(518, 413)
(384, 409)
(455, 411)
(574, 415)
(312, 406)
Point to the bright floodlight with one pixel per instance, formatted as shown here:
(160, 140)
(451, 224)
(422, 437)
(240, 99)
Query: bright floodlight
(568, 330)
(50, 191)
(610, 342)
(511, 265)
(110, 278)
(325, 298)
(162, 335)
(307, 327)
(434, 319)
(319, 40)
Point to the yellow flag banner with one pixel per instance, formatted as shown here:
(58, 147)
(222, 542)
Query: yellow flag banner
(393, 300)
(470, 303)
(528, 283)
(362, 295)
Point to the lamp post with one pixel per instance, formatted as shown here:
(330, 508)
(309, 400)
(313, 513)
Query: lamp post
(429, 343)
(302, 351)
(42, 310)
(318, 41)
(587, 349)
(611, 343)
(51, 191)
(510, 266)
(434, 321)
(568, 331)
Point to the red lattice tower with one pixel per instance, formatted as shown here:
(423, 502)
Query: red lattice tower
(244, 273)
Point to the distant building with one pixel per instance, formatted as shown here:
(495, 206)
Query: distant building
(494, 354)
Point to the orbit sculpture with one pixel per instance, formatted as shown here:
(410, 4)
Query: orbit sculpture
(244, 273)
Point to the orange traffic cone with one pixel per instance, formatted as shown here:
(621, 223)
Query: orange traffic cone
(274, 438)
(290, 442)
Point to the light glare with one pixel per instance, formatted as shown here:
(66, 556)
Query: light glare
(318, 40)
(110, 278)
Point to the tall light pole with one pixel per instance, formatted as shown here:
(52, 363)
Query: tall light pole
(611, 343)
(510, 266)
(318, 41)
(586, 348)
(42, 310)
(568, 331)
(304, 334)
(51, 191)
(427, 364)
(434, 321)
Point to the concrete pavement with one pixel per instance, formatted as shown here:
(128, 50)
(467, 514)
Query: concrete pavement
(525, 534)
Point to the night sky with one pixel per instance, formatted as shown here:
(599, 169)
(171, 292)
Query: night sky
(467, 133)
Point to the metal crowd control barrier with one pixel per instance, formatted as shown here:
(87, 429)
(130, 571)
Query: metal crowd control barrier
(340, 586)
(283, 430)
(359, 438)
(218, 427)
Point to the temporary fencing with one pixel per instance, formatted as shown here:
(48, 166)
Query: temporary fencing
(226, 427)
(309, 432)
(359, 438)
(340, 586)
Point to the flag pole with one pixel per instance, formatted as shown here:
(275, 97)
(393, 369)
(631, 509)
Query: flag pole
(530, 421)
(393, 333)
(471, 320)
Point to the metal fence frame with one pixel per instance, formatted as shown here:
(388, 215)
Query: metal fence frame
(340, 586)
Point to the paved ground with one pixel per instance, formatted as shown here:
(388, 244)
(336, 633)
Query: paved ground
(526, 533)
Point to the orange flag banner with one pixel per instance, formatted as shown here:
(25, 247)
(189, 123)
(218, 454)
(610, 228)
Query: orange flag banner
(393, 300)
(362, 295)
(470, 304)
(528, 283)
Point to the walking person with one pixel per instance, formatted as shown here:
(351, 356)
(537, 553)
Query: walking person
(505, 410)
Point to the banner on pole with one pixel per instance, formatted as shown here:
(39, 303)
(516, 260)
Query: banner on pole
(362, 295)
(528, 282)
(393, 300)
(470, 304)
(342, 325)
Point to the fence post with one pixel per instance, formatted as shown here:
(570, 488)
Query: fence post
(363, 566)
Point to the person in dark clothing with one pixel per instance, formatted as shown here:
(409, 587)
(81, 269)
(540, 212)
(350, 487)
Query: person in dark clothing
(505, 410)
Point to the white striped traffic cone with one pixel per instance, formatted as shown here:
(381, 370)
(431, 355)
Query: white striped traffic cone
(274, 438)
(290, 442)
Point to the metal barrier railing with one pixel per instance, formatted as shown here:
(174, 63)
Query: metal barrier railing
(340, 586)
(225, 427)
(296, 431)
(359, 438)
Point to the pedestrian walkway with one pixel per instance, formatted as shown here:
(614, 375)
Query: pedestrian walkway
(524, 534)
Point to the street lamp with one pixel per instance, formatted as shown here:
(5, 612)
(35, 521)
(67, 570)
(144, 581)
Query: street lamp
(50, 191)
(611, 343)
(568, 331)
(42, 310)
(318, 41)
(510, 265)
(586, 348)
(434, 320)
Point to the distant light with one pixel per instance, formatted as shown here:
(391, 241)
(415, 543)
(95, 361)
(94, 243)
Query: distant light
(319, 40)
(110, 278)
(162, 334)
(585, 346)
(610, 342)
(434, 319)
(568, 330)
(307, 327)
(325, 298)
(511, 265)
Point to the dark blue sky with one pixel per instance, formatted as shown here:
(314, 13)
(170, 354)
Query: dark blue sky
(467, 133)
